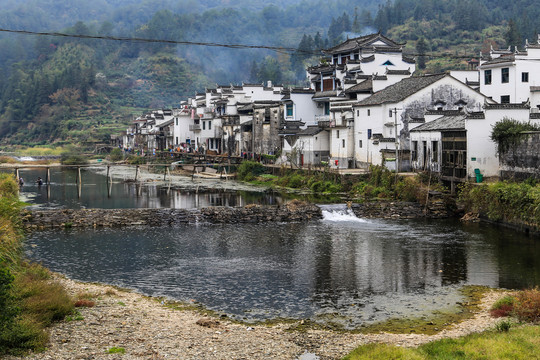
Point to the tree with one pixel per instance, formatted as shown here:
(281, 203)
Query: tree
(421, 49)
(512, 35)
(254, 72)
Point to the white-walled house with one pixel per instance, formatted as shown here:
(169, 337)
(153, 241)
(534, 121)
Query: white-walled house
(386, 117)
(312, 146)
(512, 77)
(429, 139)
(482, 151)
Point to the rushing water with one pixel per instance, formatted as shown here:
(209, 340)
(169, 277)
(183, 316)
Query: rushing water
(341, 269)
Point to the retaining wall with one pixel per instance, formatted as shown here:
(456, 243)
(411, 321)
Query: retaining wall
(291, 212)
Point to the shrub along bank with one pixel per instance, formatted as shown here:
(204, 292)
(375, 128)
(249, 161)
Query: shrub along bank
(29, 302)
(516, 204)
(379, 183)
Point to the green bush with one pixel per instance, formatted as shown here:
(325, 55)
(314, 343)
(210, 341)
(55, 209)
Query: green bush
(136, 160)
(7, 303)
(296, 181)
(73, 159)
(116, 154)
(248, 170)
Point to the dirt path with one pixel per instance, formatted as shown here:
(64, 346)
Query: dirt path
(149, 329)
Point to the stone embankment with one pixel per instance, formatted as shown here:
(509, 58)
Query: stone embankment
(294, 211)
(291, 212)
(436, 209)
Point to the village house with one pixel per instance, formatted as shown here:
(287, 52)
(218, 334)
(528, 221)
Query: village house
(383, 121)
(511, 76)
(356, 69)
(364, 106)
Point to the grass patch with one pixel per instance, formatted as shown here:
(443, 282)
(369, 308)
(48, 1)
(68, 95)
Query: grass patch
(116, 350)
(517, 344)
(438, 321)
(29, 301)
(41, 151)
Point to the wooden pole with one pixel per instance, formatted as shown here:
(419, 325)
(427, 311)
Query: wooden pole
(17, 174)
(108, 172)
(136, 172)
(48, 177)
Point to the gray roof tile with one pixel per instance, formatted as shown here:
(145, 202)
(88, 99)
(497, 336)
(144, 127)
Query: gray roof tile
(401, 90)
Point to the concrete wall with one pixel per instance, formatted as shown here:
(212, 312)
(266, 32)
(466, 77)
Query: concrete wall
(523, 161)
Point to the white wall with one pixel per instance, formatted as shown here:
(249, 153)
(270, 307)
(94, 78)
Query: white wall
(432, 163)
(305, 109)
(181, 131)
(419, 102)
(479, 145)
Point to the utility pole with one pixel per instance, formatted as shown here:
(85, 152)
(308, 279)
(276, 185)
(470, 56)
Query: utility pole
(395, 110)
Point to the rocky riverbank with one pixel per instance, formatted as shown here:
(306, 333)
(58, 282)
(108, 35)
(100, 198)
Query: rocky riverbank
(150, 328)
(294, 211)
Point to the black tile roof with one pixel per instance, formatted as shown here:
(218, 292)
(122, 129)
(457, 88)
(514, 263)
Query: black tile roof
(524, 105)
(500, 60)
(363, 87)
(361, 42)
(444, 123)
(368, 59)
(398, 72)
(401, 90)
(310, 131)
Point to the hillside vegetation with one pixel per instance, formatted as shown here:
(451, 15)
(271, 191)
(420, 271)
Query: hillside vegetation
(58, 90)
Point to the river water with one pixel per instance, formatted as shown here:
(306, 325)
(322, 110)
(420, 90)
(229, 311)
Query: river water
(152, 192)
(340, 270)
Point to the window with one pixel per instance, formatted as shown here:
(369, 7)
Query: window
(343, 143)
(388, 63)
(177, 140)
(357, 113)
(337, 134)
(505, 75)
(369, 133)
(487, 77)
(204, 125)
(360, 143)
(368, 112)
(435, 151)
(414, 154)
(390, 113)
(176, 121)
(326, 108)
(209, 125)
(289, 110)
(505, 99)
(525, 77)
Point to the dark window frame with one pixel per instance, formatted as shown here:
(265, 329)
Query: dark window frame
(505, 75)
(487, 77)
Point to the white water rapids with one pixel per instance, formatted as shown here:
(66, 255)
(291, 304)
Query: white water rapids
(339, 213)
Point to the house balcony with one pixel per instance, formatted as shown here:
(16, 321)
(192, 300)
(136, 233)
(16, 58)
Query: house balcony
(195, 127)
(322, 118)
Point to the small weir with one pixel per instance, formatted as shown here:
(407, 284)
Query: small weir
(339, 213)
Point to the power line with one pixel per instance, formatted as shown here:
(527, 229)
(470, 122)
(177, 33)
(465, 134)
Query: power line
(146, 40)
(279, 49)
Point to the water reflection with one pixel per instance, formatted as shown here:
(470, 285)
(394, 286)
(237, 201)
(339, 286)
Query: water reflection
(96, 192)
(353, 273)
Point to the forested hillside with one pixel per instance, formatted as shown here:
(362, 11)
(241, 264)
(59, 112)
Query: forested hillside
(59, 89)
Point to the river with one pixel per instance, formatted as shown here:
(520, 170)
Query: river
(341, 270)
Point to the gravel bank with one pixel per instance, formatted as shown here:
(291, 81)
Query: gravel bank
(148, 329)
